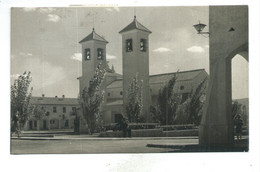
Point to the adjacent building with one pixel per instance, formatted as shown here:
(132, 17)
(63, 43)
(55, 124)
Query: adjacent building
(58, 113)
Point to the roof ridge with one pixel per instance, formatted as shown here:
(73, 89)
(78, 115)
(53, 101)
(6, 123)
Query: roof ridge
(135, 25)
(178, 72)
(114, 82)
(54, 97)
(92, 36)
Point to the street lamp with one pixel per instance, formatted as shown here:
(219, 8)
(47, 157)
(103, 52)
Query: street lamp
(199, 27)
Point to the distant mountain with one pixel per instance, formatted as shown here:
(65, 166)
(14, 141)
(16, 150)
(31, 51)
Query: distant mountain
(244, 101)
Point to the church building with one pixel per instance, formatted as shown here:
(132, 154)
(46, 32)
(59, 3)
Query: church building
(135, 57)
(135, 63)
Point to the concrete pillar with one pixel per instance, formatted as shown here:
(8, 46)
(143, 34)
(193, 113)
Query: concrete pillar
(217, 124)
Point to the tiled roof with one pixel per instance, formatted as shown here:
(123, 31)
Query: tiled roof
(114, 74)
(93, 36)
(54, 101)
(135, 25)
(181, 76)
(116, 84)
(153, 79)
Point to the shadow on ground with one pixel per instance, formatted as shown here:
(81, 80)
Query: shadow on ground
(238, 146)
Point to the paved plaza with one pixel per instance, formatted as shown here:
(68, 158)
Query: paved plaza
(84, 144)
(94, 145)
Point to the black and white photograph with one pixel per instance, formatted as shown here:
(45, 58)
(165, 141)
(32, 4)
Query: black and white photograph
(111, 80)
(173, 82)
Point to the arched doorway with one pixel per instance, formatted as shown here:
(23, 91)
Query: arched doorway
(216, 126)
(239, 76)
(240, 91)
(217, 123)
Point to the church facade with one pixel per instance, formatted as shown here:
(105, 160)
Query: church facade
(135, 62)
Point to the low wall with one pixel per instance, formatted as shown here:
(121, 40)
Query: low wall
(147, 133)
(111, 134)
(134, 133)
(152, 133)
(180, 133)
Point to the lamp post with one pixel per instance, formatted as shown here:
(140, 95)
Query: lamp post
(199, 28)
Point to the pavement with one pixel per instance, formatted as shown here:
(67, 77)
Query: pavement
(66, 142)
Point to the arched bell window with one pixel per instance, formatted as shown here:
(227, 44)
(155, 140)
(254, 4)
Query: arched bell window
(129, 45)
(87, 54)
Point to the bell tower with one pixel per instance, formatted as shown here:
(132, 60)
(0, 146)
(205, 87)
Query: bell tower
(93, 53)
(135, 51)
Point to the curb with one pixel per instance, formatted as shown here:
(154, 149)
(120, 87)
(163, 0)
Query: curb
(103, 138)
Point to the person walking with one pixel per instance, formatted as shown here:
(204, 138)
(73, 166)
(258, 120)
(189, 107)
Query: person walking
(238, 124)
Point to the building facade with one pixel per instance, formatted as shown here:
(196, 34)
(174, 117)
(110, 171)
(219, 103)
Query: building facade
(58, 113)
(186, 84)
(135, 55)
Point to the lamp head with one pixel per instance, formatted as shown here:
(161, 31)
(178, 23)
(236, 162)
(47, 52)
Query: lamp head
(199, 27)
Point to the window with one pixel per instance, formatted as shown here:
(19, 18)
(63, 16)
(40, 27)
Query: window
(121, 92)
(35, 123)
(181, 87)
(73, 109)
(108, 94)
(52, 121)
(87, 54)
(100, 54)
(143, 45)
(64, 109)
(129, 45)
(54, 109)
(67, 123)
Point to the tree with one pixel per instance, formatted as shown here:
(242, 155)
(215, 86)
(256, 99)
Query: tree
(38, 113)
(236, 109)
(92, 97)
(190, 111)
(197, 102)
(239, 109)
(244, 115)
(20, 101)
(167, 103)
(76, 119)
(134, 104)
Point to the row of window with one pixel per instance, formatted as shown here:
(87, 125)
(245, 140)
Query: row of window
(129, 48)
(66, 122)
(64, 109)
(142, 46)
(51, 122)
(121, 93)
(100, 54)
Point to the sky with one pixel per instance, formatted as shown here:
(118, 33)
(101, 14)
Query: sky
(45, 42)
